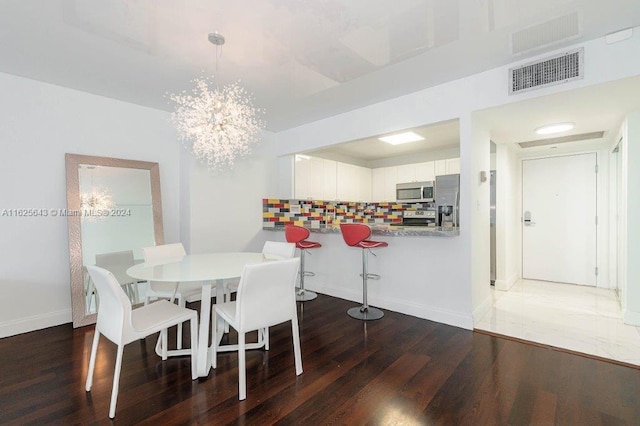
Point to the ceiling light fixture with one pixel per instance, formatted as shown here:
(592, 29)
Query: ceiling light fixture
(218, 125)
(95, 202)
(401, 138)
(550, 129)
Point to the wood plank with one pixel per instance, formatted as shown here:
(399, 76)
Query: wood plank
(399, 369)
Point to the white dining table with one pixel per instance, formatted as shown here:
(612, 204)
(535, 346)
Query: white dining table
(205, 268)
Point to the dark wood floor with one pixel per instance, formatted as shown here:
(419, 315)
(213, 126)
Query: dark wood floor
(398, 370)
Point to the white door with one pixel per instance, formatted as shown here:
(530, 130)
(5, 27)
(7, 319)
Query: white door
(559, 219)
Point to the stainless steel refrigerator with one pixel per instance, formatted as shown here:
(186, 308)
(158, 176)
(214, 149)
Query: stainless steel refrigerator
(448, 200)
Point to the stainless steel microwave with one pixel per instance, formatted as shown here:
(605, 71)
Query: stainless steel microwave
(415, 192)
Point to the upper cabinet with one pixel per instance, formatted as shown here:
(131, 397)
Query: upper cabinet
(329, 176)
(353, 182)
(450, 166)
(425, 171)
(320, 179)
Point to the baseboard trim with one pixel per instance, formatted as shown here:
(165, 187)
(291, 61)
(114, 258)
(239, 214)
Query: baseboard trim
(417, 310)
(505, 285)
(35, 322)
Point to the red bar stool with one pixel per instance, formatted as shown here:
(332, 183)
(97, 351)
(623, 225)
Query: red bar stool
(355, 235)
(298, 235)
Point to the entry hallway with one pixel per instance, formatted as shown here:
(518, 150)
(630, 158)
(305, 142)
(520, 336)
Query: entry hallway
(397, 370)
(578, 318)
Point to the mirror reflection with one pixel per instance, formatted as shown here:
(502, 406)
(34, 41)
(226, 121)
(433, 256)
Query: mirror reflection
(114, 210)
(116, 223)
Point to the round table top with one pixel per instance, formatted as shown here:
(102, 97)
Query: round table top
(196, 267)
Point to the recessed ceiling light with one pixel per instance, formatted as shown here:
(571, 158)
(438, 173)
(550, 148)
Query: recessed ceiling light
(554, 128)
(401, 138)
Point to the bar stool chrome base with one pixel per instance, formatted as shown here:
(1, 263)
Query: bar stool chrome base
(366, 314)
(303, 295)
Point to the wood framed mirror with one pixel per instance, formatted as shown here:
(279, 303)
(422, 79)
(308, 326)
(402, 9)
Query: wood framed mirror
(114, 207)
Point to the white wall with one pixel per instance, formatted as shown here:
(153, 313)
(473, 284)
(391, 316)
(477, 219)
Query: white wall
(39, 123)
(508, 230)
(631, 171)
(476, 134)
(226, 208)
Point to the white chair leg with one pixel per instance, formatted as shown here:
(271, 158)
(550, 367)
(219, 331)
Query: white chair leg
(182, 303)
(242, 373)
(116, 382)
(92, 360)
(163, 339)
(296, 345)
(214, 338)
(193, 322)
(265, 336)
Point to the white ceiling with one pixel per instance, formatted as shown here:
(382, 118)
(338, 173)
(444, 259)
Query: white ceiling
(302, 59)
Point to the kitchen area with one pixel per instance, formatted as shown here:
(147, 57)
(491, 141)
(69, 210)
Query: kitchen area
(409, 196)
(367, 181)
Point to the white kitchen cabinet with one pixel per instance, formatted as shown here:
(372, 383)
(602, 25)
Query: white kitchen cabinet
(329, 188)
(390, 180)
(377, 185)
(425, 171)
(453, 166)
(449, 166)
(406, 173)
(347, 182)
(353, 182)
(308, 178)
(315, 178)
(364, 185)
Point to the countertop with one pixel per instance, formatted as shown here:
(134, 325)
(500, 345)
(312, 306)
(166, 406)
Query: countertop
(391, 231)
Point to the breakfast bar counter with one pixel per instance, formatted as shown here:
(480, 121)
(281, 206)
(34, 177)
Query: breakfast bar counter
(390, 230)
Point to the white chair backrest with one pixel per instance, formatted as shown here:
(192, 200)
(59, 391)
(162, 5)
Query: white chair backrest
(159, 253)
(114, 312)
(266, 294)
(117, 263)
(275, 250)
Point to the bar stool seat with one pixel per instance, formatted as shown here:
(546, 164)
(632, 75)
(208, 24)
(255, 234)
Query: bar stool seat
(356, 235)
(298, 235)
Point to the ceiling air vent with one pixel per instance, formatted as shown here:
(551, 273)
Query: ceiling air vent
(557, 69)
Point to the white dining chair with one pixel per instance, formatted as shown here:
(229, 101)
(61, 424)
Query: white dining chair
(184, 293)
(118, 263)
(271, 250)
(121, 324)
(265, 298)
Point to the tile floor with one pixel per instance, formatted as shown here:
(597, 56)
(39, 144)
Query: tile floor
(578, 318)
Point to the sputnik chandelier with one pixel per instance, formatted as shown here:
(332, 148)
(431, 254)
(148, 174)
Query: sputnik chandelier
(94, 204)
(218, 125)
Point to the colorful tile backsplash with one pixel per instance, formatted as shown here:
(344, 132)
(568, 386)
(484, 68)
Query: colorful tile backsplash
(317, 213)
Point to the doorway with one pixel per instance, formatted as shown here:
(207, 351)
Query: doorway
(560, 219)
